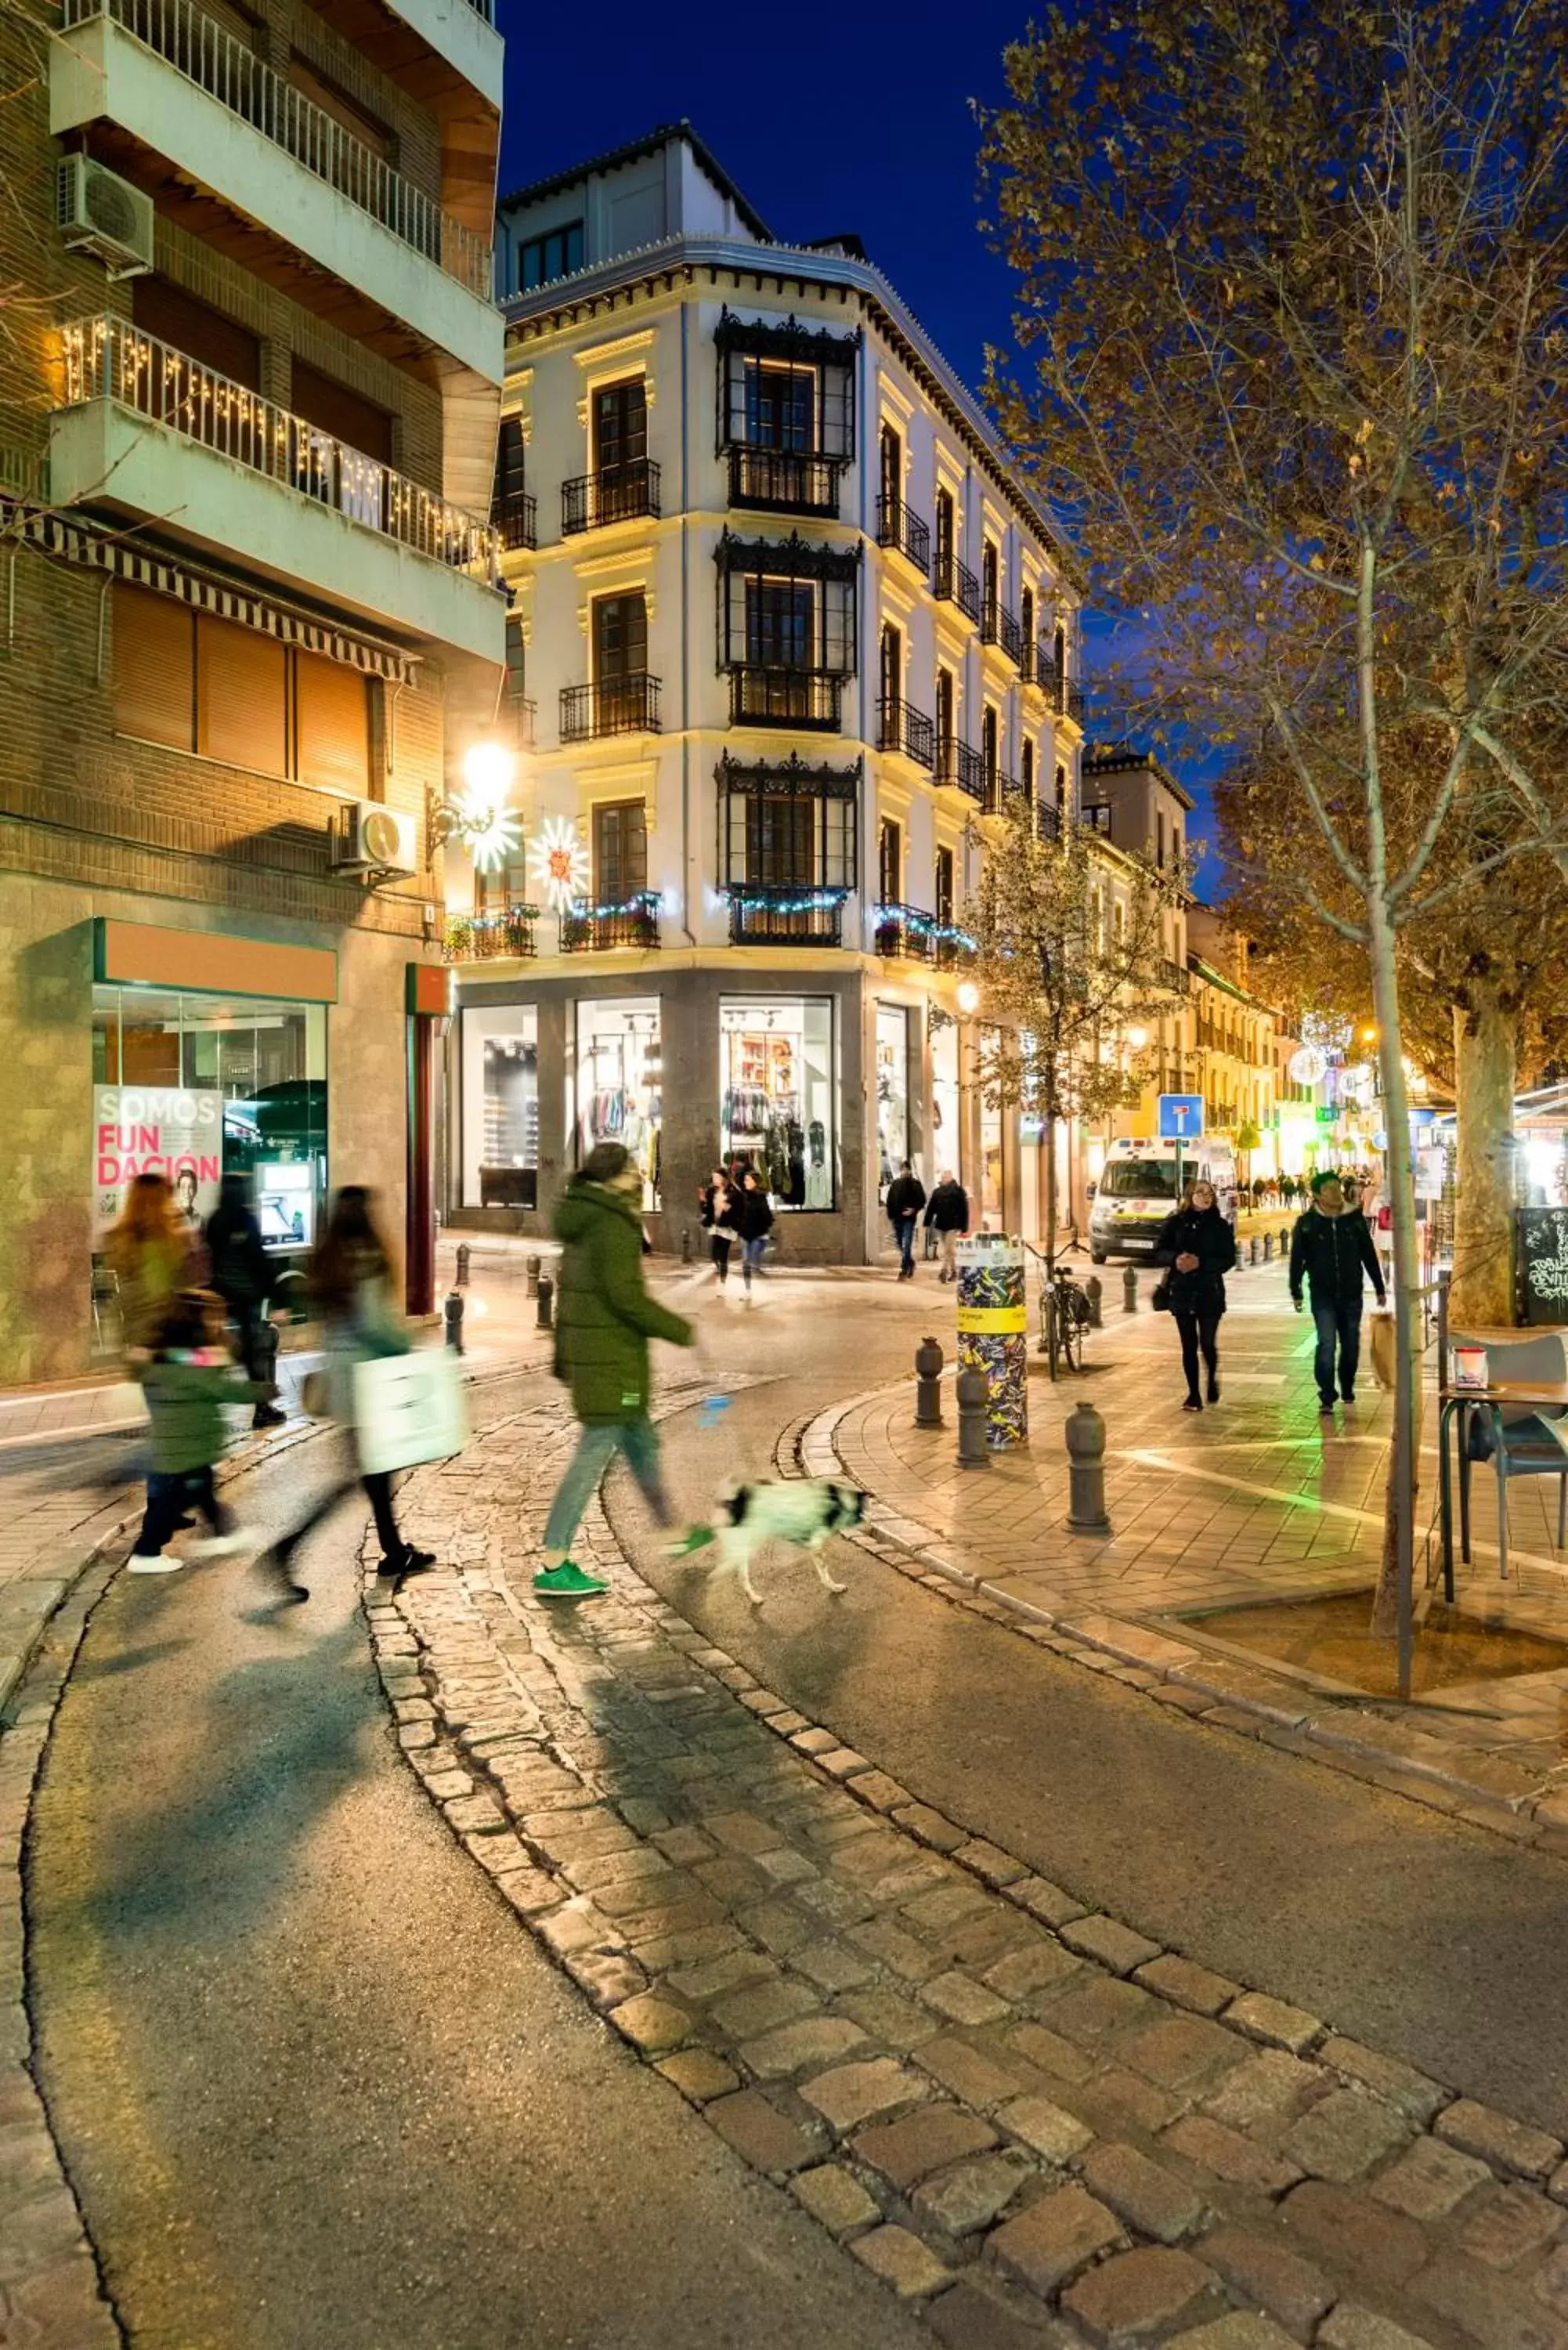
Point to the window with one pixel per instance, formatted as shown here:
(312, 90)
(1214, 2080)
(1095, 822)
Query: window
(947, 540)
(1059, 651)
(1026, 623)
(620, 638)
(504, 885)
(621, 426)
(169, 315)
(890, 862)
(890, 458)
(332, 408)
(155, 668)
(777, 1090)
(1159, 837)
(331, 725)
(241, 716)
(516, 660)
(544, 258)
(620, 852)
(781, 406)
(1175, 845)
(786, 388)
(787, 825)
(788, 606)
(781, 623)
(988, 747)
(893, 664)
(944, 909)
(945, 708)
(1060, 783)
(1026, 775)
(990, 579)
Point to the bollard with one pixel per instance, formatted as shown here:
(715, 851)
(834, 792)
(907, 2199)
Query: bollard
(973, 1391)
(685, 1244)
(1268, 1248)
(1129, 1289)
(453, 1316)
(547, 1293)
(928, 1384)
(465, 1259)
(264, 1353)
(1085, 1434)
(1257, 1252)
(531, 1269)
(1094, 1290)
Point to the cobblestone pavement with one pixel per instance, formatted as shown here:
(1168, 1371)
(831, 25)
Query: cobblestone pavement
(1028, 2119)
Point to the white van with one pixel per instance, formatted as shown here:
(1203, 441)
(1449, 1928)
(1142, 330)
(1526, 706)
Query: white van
(1141, 1182)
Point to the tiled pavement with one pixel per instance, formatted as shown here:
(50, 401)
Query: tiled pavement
(1031, 2122)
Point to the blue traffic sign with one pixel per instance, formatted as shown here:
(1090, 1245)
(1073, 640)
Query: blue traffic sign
(1180, 1117)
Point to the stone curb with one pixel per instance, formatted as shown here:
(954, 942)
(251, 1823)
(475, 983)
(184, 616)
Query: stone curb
(1247, 1698)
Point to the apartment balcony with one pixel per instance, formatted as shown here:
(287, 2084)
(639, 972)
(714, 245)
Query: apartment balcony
(908, 934)
(1004, 795)
(787, 917)
(616, 705)
(961, 767)
(144, 430)
(955, 583)
(760, 695)
(998, 626)
(903, 533)
(906, 730)
(596, 929)
(463, 36)
(501, 934)
(1066, 698)
(617, 494)
(1175, 977)
(1047, 820)
(193, 109)
(784, 481)
(516, 520)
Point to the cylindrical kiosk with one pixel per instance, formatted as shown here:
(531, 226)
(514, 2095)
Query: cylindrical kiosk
(994, 1331)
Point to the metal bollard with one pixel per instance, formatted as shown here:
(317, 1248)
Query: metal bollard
(454, 1318)
(928, 1384)
(1129, 1289)
(546, 1294)
(465, 1259)
(1268, 1248)
(973, 1390)
(1085, 1434)
(1094, 1290)
(1257, 1255)
(685, 1244)
(531, 1270)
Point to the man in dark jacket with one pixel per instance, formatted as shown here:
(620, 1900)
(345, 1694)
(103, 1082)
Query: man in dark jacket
(245, 1277)
(906, 1198)
(604, 1320)
(946, 1214)
(1332, 1248)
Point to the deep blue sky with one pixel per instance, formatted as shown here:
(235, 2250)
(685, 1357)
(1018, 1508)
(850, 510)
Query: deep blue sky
(856, 118)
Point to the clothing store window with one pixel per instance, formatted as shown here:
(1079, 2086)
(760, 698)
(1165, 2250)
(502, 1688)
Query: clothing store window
(947, 1156)
(777, 1110)
(991, 1204)
(620, 1082)
(892, 1091)
(501, 1107)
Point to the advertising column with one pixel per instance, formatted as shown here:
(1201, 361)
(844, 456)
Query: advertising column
(993, 1331)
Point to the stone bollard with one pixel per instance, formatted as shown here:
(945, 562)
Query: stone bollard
(1085, 1435)
(465, 1259)
(1268, 1248)
(546, 1296)
(928, 1384)
(454, 1318)
(973, 1390)
(685, 1244)
(1129, 1289)
(1094, 1290)
(531, 1271)
(1257, 1252)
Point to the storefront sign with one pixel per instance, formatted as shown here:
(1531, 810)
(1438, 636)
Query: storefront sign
(145, 954)
(169, 1130)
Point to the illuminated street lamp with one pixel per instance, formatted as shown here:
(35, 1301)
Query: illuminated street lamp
(968, 998)
(481, 819)
(1138, 1037)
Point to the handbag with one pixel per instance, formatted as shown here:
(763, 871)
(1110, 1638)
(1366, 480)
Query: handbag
(408, 1408)
(1160, 1299)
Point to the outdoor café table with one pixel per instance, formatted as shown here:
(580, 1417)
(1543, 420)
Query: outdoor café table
(1456, 1403)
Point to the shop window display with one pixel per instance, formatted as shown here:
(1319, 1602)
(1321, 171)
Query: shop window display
(501, 1107)
(945, 1139)
(776, 1071)
(892, 1091)
(620, 1083)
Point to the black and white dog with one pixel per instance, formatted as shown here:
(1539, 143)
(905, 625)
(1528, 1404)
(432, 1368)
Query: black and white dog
(802, 1511)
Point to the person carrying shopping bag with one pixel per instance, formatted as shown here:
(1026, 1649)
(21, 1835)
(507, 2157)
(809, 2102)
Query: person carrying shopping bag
(1199, 1246)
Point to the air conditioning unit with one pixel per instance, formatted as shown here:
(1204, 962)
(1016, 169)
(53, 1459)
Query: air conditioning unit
(370, 838)
(102, 213)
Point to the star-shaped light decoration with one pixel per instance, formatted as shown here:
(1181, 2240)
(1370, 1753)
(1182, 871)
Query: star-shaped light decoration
(558, 863)
(490, 834)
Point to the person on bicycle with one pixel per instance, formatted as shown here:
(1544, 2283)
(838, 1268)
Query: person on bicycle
(1199, 1246)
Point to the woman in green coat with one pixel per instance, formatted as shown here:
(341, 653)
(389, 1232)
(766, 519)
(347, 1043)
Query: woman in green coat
(604, 1320)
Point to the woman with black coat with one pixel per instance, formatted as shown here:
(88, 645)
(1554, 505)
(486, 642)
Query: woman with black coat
(753, 1218)
(1199, 1246)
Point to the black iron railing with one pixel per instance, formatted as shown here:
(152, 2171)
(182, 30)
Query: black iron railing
(908, 934)
(1066, 698)
(961, 767)
(617, 494)
(905, 532)
(590, 929)
(998, 626)
(1047, 820)
(516, 519)
(1030, 667)
(902, 727)
(956, 584)
(780, 481)
(762, 696)
(502, 931)
(800, 917)
(1003, 792)
(618, 705)
(1175, 977)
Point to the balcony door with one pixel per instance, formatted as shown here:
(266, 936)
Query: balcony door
(780, 624)
(892, 460)
(988, 751)
(620, 659)
(621, 439)
(781, 842)
(890, 862)
(944, 888)
(781, 407)
(620, 852)
(946, 718)
(892, 672)
(990, 583)
(947, 545)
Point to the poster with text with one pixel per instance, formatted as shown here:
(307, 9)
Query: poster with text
(169, 1130)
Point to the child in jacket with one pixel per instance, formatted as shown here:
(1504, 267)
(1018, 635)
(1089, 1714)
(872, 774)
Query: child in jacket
(188, 1384)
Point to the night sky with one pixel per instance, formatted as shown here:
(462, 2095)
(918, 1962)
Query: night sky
(851, 119)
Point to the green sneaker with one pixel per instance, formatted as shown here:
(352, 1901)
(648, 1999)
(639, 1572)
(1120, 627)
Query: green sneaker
(694, 1538)
(567, 1582)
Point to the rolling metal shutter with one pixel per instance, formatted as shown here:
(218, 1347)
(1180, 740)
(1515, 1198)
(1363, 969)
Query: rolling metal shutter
(332, 725)
(240, 702)
(155, 668)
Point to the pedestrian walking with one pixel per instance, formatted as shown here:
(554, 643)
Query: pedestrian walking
(718, 1221)
(1331, 1249)
(244, 1276)
(1198, 1244)
(947, 1215)
(754, 1218)
(906, 1198)
(604, 1320)
(148, 1254)
(188, 1381)
(351, 1281)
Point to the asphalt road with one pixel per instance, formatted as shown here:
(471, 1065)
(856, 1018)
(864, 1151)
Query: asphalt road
(313, 2083)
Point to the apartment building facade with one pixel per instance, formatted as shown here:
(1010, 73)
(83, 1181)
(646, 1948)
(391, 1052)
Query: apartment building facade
(253, 609)
(787, 637)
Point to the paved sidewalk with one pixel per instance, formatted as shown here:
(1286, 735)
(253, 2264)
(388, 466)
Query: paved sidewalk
(1031, 2122)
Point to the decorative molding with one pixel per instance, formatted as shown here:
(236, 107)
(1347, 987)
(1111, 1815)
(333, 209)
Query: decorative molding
(899, 600)
(899, 402)
(790, 558)
(595, 355)
(792, 777)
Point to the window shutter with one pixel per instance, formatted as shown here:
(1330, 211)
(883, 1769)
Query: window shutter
(332, 725)
(240, 697)
(155, 668)
(332, 408)
(168, 312)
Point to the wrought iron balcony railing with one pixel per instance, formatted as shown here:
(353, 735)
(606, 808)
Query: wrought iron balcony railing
(782, 481)
(206, 52)
(956, 584)
(1175, 977)
(616, 705)
(905, 532)
(591, 929)
(998, 626)
(764, 696)
(500, 932)
(1047, 820)
(1004, 794)
(616, 494)
(903, 728)
(908, 934)
(516, 520)
(803, 916)
(1066, 698)
(961, 767)
(109, 358)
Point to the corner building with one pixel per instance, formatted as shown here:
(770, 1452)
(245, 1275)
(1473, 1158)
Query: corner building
(787, 636)
(252, 608)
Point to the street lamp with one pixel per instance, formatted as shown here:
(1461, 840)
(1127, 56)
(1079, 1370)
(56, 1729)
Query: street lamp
(487, 771)
(968, 998)
(482, 819)
(1138, 1037)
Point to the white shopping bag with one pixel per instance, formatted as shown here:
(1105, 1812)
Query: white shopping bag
(408, 1408)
